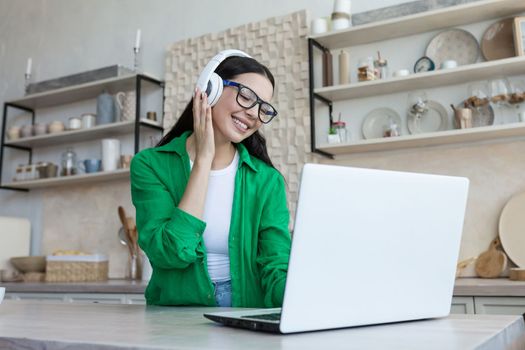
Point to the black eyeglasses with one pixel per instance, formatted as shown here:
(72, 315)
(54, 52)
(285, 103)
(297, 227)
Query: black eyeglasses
(247, 98)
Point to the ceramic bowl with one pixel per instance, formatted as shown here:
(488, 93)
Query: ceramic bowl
(56, 126)
(13, 133)
(26, 131)
(29, 263)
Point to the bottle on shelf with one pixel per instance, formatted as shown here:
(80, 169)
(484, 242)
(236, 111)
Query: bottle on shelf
(328, 79)
(69, 163)
(380, 67)
(344, 74)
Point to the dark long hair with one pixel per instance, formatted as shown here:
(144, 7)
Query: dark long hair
(228, 69)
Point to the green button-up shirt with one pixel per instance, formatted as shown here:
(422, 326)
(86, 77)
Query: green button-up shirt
(258, 243)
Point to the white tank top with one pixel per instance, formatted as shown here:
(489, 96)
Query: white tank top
(217, 215)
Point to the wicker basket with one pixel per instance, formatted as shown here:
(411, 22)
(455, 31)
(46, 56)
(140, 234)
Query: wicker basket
(76, 268)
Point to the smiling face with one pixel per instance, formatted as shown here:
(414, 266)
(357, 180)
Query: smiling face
(233, 123)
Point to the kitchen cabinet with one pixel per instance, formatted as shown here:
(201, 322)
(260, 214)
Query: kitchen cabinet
(82, 298)
(462, 305)
(500, 305)
(141, 83)
(392, 29)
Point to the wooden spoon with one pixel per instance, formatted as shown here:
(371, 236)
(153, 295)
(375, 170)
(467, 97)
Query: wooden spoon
(133, 235)
(125, 223)
(491, 263)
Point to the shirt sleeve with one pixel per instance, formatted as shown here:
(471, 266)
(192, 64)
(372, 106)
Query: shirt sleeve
(168, 235)
(274, 243)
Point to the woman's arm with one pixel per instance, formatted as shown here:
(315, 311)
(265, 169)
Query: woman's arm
(170, 235)
(274, 243)
(194, 196)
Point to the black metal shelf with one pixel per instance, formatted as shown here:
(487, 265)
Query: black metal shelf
(22, 104)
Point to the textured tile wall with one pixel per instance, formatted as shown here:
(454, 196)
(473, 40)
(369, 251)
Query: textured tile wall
(280, 44)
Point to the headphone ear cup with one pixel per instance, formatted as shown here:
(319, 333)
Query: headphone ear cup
(214, 89)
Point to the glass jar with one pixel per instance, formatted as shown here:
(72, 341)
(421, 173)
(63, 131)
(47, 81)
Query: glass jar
(69, 163)
(339, 128)
(381, 68)
(365, 69)
(19, 173)
(392, 129)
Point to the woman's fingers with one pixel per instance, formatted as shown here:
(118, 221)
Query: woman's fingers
(209, 124)
(196, 108)
(204, 106)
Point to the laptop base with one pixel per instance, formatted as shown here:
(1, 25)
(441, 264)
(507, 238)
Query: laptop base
(245, 323)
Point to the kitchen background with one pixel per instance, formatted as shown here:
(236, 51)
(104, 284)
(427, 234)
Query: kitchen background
(67, 37)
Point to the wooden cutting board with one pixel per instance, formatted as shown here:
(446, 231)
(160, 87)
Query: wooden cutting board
(491, 263)
(15, 239)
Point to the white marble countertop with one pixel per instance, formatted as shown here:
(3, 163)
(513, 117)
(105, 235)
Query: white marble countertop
(33, 325)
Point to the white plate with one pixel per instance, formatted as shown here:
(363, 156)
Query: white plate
(377, 120)
(511, 229)
(435, 119)
(454, 44)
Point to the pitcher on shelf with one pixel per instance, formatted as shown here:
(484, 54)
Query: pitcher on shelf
(107, 109)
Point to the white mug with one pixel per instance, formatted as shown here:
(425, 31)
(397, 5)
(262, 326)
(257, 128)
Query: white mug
(126, 102)
(340, 23)
(110, 154)
(448, 64)
(88, 120)
(2, 293)
(522, 116)
(319, 25)
(401, 73)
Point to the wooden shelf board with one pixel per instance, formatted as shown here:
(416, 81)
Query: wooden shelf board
(421, 22)
(78, 92)
(430, 139)
(99, 131)
(71, 180)
(472, 72)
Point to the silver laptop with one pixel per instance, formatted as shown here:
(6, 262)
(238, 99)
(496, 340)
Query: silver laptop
(369, 247)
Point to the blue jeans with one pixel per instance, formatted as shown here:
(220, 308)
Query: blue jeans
(223, 293)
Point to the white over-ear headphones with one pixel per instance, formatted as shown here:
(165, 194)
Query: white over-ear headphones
(210, 81)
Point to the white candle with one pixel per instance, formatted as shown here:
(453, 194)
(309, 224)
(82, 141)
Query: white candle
(29, 63)
(137, 39)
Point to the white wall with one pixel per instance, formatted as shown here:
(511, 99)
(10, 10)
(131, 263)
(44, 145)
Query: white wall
(69, 36)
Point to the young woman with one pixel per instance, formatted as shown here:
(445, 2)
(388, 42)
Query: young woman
(211, 208)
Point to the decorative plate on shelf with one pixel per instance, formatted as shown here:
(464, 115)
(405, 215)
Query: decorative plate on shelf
(435, 119)
(481, 116)
(454, 44)
(498, 40)
(511, 223)
(377, 121)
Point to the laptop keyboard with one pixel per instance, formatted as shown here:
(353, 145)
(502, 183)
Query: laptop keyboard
(270, 317)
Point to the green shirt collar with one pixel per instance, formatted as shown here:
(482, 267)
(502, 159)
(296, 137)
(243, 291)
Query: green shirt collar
(178, 145)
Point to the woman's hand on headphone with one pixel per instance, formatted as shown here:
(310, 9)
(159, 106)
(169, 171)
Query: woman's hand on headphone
(203, 128)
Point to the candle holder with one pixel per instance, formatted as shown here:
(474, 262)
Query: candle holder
(136, 59)
(27, 80)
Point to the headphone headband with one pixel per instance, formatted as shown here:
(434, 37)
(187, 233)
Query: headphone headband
(209, 81)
